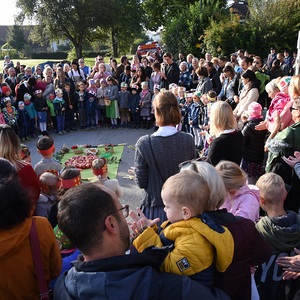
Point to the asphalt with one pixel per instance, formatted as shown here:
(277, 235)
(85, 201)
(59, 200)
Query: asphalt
(132, 194)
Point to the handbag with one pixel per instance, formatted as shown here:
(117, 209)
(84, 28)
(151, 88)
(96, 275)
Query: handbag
(107, 102)
(38, 264)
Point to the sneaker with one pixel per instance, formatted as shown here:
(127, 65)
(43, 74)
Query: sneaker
(60, 132)
(65, 132)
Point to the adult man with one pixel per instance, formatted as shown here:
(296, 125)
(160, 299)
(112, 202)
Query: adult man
(101, 233)
(86, 69)
(214, 77)
(222, 62)
(271, 57)
(12, 80)
(283, 66)
(27, 73)
(121, 66)
(208, 56)
(181, 58)
(170, 71)
(240, 54)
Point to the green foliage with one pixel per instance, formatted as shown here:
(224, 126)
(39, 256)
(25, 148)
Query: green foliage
(16, 38)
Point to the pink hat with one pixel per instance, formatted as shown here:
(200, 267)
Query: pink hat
(254, 110)
(284, 83)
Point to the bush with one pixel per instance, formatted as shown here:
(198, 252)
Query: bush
(53, 55)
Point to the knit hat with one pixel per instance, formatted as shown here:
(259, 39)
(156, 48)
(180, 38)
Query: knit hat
(58, 91)
(51, 96)
(124, 84)
(189, 95)
(172, 86)
(135, 87)
(198, 94)
(38, 92)
(27, 97)
(102, 81)
(284, 83)
(6, 99)
(5, 89)
(254, 110)
(21, 104)
(92, 94)
(91, 81)
(181, 89)
(156, 87)
(144, 83)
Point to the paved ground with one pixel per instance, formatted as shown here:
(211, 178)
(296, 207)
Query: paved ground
(132, 193)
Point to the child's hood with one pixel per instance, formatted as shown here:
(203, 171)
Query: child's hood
(249, 189)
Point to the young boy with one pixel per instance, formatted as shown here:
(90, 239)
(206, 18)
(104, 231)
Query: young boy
(52, 120)
(23, 121)
(50, 184)
(29, 106)
(81, 97)
(41, 108)
(196, 243)
(91, 108)
(123, 100)
(60, 108)
(10, 114)
(45, 146)
(280, 229)
(134, 106)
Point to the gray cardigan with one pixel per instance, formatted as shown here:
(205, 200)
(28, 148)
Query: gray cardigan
(153, 169)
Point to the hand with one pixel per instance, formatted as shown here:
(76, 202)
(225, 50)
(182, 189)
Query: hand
(291, 265)
(63, 109)
(261, 126)
(236, 99)
(71, 106)
(291, 161)
(140, 221)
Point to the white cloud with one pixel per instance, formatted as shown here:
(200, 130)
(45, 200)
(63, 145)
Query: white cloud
(8, 12)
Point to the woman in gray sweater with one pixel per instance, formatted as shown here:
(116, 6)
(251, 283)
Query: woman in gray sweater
(158, 155)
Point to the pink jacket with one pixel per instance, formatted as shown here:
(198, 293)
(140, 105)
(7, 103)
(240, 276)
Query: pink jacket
(280, 103)
(244, 203)
(2, 121)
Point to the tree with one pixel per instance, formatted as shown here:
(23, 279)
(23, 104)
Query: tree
(16, 38)
(74, 20)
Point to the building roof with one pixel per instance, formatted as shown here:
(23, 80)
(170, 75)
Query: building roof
(239, 8)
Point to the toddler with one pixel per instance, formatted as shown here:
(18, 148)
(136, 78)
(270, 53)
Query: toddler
(41, 108)
(134, 106)
(242, 199)
(99, 168)
(91, 108)
(69, 98)
(145, 104)
(10, 114)
(81, 97)
(102, 93)
(124, 104)
(60, 108)
(29, 106)
(197, 244)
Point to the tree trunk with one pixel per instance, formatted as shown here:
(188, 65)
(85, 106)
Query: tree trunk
(114, 40)
(78, 50)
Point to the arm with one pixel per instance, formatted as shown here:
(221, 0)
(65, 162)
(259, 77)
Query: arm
(141, 167)
(290, 265)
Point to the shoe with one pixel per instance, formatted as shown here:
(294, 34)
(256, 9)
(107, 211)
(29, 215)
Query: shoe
(60, 132)
(65, 132)
(23, 139)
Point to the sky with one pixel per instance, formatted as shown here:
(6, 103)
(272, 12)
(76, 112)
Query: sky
(9, 10)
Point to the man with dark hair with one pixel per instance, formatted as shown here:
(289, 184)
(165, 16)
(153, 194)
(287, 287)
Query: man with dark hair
(94, 220)
(121, 66)
(170, 71)
(222, 62)
(214, 77)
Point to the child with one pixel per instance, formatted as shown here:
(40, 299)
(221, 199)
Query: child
(29, 106)
(280, 229)
(254, 141)
(81, 99)
(134, 106)
(23, 121)
(41, 108)
(92, 86)
(25, 153)
(197, 243)
(10, 114)
(195, 111)
(60, 108)
(102, 93)
(52, 120)
(69, 98)
(123, 105)
(49, 187)
(242, 199)
(45, 146)
(145, 104)
(6, 93)
(91, 108)
(2, 120)
(185, 110)
(99, 168)
(40, 83)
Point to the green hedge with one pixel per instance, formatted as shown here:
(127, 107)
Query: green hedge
(53, 55)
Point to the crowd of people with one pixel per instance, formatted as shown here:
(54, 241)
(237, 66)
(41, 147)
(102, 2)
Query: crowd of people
(219, 218)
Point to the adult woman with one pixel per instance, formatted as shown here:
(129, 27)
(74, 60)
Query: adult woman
(101, 73)
(195, 79)
(285, 143)
(140, 77)
(276, 71)
(76, 75)
(112, 111)
(250, 93)
(18, 273)
(153, 168)
(228, 143)
(205, 84)
(60, 79)
(250, 247)
(49, 89)
(48, 72)
(26, 87)
(114, 66)
(135, 65)
(185, 77)
(10, 149)
(155, 76)
(67, 69)
(230, 86)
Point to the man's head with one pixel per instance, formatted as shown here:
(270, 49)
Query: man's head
(168, 58)
(280, 57)
(92, 218)
(272, 190)
(185, 195)
(246, 62)
(12, 72)
(208, 56)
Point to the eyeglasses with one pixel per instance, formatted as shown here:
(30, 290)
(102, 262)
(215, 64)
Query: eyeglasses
(293, 108)
(124, 209)
(256, 62)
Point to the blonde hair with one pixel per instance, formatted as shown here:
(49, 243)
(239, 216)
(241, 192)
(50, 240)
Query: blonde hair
(213, 179)
(166, 109)
(233, 176)
(9, 145)
(221, 118)
(295, 86)
(271, 187)
(189, 189)
(271, 86)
